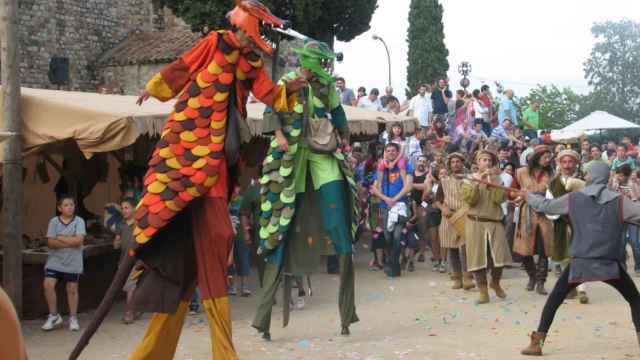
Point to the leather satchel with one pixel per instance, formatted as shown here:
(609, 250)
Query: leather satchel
(320, 133)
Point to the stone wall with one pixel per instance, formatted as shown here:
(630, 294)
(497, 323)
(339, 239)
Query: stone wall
(81, 30)
(130, 79)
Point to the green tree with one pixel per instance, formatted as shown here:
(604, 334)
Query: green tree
(323, 20)
(427, 51)
(559, 107)
(613, 69)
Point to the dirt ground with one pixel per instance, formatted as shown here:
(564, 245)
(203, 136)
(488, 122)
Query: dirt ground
(416, 316)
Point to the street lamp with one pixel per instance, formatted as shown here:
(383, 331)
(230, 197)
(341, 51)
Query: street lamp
(376, 37)
(464, 69)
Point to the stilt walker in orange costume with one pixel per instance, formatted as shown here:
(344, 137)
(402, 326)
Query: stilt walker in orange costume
(183, 231)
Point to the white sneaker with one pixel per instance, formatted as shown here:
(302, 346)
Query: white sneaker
(53, 321)
(73, 324)
(300, 303)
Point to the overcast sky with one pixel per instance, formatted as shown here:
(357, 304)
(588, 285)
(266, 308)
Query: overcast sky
(519, 43)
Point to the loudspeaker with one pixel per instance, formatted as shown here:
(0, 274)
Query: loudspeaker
(59, 70)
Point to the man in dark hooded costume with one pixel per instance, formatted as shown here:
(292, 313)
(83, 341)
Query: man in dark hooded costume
(597, 251)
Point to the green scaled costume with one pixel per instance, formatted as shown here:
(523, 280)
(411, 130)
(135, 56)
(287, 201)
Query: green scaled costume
(307, 198)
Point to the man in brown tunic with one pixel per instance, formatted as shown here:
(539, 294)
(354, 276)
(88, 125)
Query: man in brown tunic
(564, 182)
(449, 201)
(486, 244)
(534, 232)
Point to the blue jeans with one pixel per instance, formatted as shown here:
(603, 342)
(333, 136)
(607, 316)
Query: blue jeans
(486, 127)
(393, 245)
(631, 236)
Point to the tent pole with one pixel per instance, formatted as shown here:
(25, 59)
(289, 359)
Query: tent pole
(12, 192)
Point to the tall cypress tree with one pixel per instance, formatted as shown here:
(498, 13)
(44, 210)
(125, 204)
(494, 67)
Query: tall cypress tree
(427, 51)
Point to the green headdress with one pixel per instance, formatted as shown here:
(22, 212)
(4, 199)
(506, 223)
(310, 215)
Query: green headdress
(317, 57)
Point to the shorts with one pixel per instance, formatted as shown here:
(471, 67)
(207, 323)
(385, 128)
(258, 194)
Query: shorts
(62, 276)
(377, 241)
(411, 238)
(434, 217)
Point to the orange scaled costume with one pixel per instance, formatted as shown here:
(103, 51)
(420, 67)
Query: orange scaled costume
(182, 224)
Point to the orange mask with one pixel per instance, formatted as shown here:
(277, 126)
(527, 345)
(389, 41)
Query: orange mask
(247, 16)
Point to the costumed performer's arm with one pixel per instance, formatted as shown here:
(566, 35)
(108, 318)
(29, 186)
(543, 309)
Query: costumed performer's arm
(168, 83)
(272, 124)
(470, 193)
(280, 98)
(539, 203)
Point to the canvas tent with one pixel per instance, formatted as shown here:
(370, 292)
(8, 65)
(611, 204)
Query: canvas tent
(600, 120)
(102, 123)
(97, 123)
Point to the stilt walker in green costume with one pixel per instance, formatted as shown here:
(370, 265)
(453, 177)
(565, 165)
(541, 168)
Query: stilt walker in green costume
(307, 189)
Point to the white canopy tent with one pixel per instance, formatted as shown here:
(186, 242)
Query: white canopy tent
(600, 120)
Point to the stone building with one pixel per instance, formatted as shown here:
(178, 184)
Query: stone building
(107, 45)
(127, 67)
(78, 33)
(141, 55)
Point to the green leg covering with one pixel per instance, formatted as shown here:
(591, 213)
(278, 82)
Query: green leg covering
(260, 266)
(336, 215)
(346, 297)
(335, 218)
(272, 278)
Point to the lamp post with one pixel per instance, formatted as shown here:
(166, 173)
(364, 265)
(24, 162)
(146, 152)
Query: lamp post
(376, 37)
(464, 69)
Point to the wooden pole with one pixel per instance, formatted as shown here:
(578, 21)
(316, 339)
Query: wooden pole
(12, 165)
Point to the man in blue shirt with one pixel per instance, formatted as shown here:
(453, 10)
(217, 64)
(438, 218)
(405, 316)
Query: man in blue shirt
(392, 186)
(508, 108)
(503, 132)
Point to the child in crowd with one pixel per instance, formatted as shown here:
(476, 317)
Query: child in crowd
(122, 241)
(241, 251)
(65, 238)
(397, 137)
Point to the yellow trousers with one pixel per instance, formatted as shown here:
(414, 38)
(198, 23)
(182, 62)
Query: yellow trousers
(161, 339)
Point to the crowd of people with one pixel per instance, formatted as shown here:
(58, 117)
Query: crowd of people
(415, 196)
(412, 185)
(450, 188)
(477, 187)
